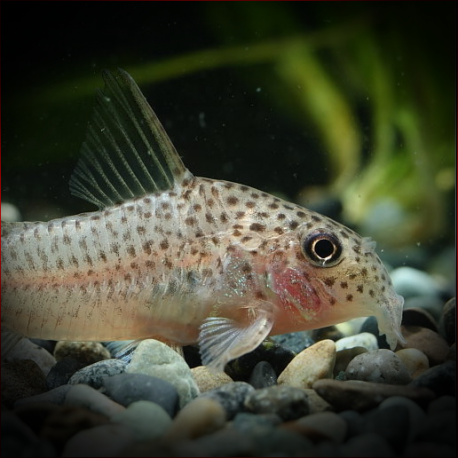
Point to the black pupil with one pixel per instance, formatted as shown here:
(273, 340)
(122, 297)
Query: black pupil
(324, 248)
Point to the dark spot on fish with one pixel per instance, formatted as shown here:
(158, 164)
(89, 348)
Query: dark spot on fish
(352, 276)
(288, 207)
(244, 188)
(90, 272)
(309, 225)
(260, 295)
(349, 297)
(223, 217)
(383, 289)
(373, 268)
(209, 218)
(281, 216)
(190, 221)
(134, 265)
(147, 214)
(60, 263)
(197, 207)
(383, 277)
(164, 245)
(215, 192)
(371, 293)
(172, 194)
(168, 216)
(364, 272)
(128, 277)
(77, 275)
(215, 240)
(228, 185)
(376, 278)
(247, 238)
(332, 301)
(210, 203)
(357, 259)
(95, 218)
(273, 206)
(199, 233)
(237, 226)
(344, 284)
(254, 195)
(141, 230)
(316, 218)
(239, 215)
(167, 263)
(293, 225)
(207, 273)
(185, 183)
(130, 208)
(257, 227)
(250, 204)
(194, 250)
(82, 244)
(88, 260)
(232, 200)
(150, 264)
(279, 230)
(301, 214)
(329, 281)
(124, 219)
(236, 233)
(146, 200)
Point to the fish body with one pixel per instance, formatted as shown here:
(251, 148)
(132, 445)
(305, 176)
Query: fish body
(181, 258)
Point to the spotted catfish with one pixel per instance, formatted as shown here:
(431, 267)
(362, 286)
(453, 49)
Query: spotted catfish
(180, 258)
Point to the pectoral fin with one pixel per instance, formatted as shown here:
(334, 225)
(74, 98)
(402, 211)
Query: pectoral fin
(223, 339)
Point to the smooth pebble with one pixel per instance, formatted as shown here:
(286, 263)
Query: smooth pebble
(363, 339)
(155, 358)
(329, 424)
(380, 366)
(86, 396)
(263, 375)
(414, 360)
(314, 363)
(145, 420)
(286, 401)
(429, 342)
(128, 388)
(86, 352)
(62, 371)
(95, 374)
(208, 379)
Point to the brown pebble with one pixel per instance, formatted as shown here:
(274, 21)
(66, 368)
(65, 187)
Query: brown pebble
(427, 341)
(361, 396)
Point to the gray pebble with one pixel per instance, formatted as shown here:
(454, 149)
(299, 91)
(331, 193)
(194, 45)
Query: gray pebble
(231, 396)
(105, 440)
(287, 402)
(380, 366)
(86, 396)
(62, 371)
(95, 374)
(255, 423)
(329, 424)
(55, 396)
(440, 427)
(447, 323)
(263, 375)
(417, 415)
(294, 341)
(410, 282)
(442, 404)
(355, 422)
(430, 307)
(441, 379)
(144, 419)
(391, 423)
(155, 358)
(21, 379)
(128, 388)
(26, 349)
(370, 444)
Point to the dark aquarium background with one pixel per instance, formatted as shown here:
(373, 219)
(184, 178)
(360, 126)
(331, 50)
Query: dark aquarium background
(345, 107)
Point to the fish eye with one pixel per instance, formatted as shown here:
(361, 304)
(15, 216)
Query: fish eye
(322, 248)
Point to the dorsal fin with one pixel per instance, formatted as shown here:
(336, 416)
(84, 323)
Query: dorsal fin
(126, 153)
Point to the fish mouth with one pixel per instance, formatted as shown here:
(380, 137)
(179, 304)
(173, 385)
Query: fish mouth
(389, 317)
